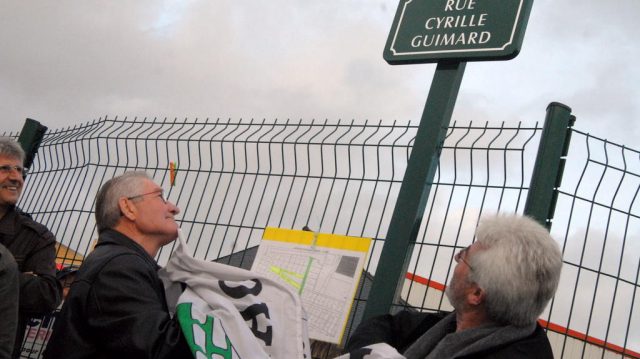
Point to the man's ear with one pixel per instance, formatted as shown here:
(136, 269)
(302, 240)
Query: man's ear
(476, 296)
(128, 211)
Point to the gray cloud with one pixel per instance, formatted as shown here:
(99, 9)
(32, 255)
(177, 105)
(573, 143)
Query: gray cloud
(69, 62)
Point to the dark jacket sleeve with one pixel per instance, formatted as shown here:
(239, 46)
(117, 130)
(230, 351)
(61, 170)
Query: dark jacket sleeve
(40, 292)
(127, 310)
(399, 330)
(9, 301)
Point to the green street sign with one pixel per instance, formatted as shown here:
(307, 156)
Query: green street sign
(458, 30)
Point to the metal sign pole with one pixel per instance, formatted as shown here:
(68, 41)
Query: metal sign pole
(414, 191)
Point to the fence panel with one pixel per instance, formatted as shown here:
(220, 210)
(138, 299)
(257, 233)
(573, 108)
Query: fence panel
(482, 170)
(597, 221)
(234, 178)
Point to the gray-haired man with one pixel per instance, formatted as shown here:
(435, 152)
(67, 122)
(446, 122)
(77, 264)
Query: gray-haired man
(500, 286)
(31, 244)
(116, 306)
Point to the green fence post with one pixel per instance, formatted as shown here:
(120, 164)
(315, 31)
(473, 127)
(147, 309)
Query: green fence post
(30, 138)
(414, 191)
(547, 171)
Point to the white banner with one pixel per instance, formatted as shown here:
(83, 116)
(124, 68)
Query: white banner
(228, 312)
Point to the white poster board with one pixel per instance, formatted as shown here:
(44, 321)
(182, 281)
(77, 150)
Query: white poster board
(323, 268)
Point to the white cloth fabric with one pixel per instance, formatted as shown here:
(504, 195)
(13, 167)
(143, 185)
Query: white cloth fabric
(229, 312)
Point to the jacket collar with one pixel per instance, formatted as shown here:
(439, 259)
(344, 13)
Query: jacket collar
(111, 236)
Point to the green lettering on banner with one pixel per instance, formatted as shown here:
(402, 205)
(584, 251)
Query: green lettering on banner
(188, 323)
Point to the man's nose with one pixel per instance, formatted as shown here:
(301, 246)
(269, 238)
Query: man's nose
(15, 175)
(173, 208)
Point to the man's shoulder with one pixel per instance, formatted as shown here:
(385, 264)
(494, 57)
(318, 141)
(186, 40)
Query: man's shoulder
(26, 222)
(420, 321)
(423, 316)
(113, 254)
(534, 346)
(113, 257)
(537, 341)
(38, 228)
(398, 330)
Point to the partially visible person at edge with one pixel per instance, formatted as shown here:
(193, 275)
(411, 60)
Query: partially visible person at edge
(500, 286)
(116, 307)
(9, 294)
(31, 244)
(66, 276)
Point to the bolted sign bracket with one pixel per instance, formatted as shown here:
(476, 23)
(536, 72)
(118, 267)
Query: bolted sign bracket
(449, 32)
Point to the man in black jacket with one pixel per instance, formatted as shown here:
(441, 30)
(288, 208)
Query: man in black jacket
(116, 307)
(9, 289)
(500, 285)
(31, 244)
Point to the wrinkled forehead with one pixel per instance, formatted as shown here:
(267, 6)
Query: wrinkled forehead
(150, 186)
(10, 160)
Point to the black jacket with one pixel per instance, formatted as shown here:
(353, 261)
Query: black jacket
(404, 328)
(33, 247)
(116, 308)
(9, 289)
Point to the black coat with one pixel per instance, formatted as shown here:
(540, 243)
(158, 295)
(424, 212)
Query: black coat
(116, 308)
(404, 328)
(33, 247)
(9, 289)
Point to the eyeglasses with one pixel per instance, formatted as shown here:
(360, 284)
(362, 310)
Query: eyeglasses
(7, 169)
(160, 194)
(461, 255)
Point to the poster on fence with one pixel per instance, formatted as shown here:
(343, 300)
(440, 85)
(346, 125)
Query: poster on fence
(36, 336)
(324, 269)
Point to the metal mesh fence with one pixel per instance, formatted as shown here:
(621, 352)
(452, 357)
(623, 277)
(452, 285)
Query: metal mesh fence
(234, 178)
(597, 220)
(482, 170)
(596, 311)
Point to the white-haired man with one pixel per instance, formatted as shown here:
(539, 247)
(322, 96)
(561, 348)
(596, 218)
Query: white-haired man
(31, 244)
(500, 285)
(116, 306)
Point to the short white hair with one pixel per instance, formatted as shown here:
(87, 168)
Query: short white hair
(107, 207)
(518, 267)
(12, 149)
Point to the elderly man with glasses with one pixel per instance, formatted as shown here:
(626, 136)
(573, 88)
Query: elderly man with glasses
(116, 306)
(30, 243)
(500, 286)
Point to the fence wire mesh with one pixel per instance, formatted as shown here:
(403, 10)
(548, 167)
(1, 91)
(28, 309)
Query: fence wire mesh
(595, 313)
(482, 170)
(234, 178)
(597, 221)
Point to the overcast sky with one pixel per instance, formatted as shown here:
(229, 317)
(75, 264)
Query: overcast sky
(67, 62)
